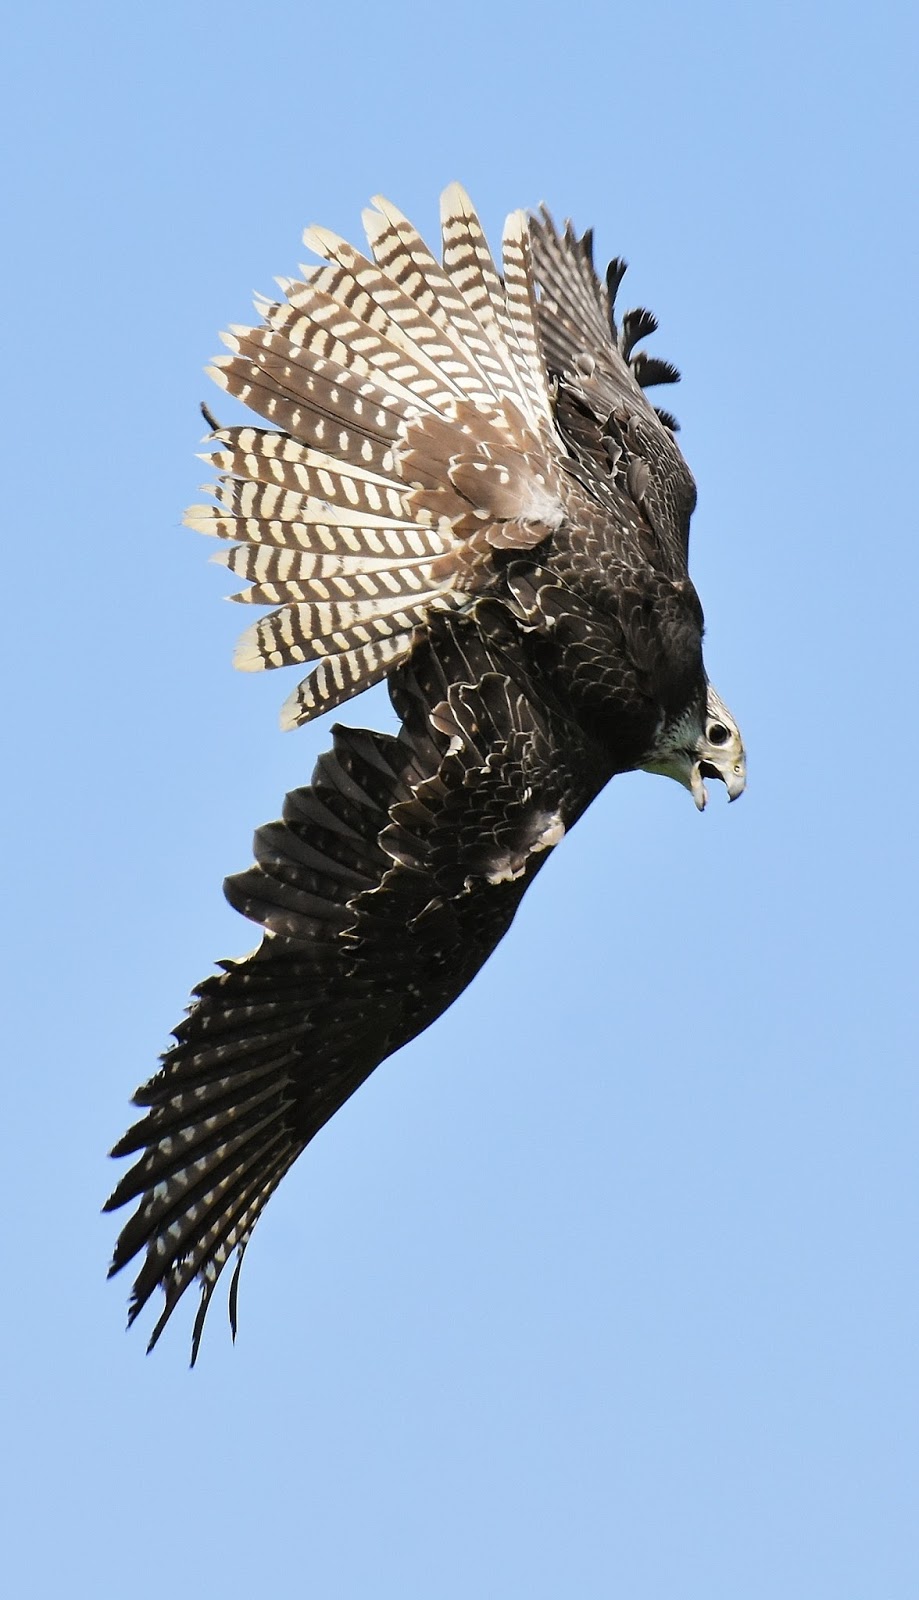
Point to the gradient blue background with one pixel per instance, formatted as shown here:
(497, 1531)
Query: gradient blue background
(607, 1285)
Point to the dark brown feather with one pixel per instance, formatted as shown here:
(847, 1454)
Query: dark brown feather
(469, 494)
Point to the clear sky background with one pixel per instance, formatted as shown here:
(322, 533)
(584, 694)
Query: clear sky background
(607, 1285)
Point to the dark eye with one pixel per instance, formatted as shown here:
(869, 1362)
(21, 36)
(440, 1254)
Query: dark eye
(718, 733)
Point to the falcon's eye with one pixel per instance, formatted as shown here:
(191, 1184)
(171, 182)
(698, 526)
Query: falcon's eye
(718, 733)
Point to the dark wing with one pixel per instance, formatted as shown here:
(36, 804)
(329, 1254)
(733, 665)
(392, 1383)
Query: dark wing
(601, 408)
(387, 884)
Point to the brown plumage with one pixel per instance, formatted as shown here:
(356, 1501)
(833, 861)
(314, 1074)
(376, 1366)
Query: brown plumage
(463, 489)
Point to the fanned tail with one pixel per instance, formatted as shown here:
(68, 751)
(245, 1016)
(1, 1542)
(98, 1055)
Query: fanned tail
(415, 438)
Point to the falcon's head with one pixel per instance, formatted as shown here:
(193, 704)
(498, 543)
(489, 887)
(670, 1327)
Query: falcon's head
(713, 751)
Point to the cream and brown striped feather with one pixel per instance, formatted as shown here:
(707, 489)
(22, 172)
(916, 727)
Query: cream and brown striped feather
(415, 438)
(405, 258)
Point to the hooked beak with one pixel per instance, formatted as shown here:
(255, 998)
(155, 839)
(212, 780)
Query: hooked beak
(734, 780)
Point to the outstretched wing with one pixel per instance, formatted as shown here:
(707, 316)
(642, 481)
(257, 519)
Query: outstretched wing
(383, 889)
(600, 376)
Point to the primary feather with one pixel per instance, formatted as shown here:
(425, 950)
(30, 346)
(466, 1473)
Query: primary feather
(463, 490)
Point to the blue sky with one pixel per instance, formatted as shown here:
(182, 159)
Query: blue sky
(607, 1285)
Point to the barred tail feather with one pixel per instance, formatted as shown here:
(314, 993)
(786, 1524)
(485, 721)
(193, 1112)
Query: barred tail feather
(416, 438)
(339, 677)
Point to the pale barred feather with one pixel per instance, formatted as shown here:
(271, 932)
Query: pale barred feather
(330, 496)
(379, 499)
(265, 564)
(521, 304)
(339, 562)
(259, 455)
(301, 629)
(470, 265)
(260, 385)
(358, 414)
(403, 255)
(380, 302)
(319, 531)
(418, 460)
(369, 589)
(297, 633)
(256, 388)
(387, 567)
(319, 376)
(339, 677)
(367, 456)
(320, 324)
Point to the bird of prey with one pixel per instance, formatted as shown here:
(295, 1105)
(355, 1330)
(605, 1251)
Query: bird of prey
(458, 485)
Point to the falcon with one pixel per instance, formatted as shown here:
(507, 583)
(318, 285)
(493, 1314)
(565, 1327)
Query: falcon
(458, 485)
